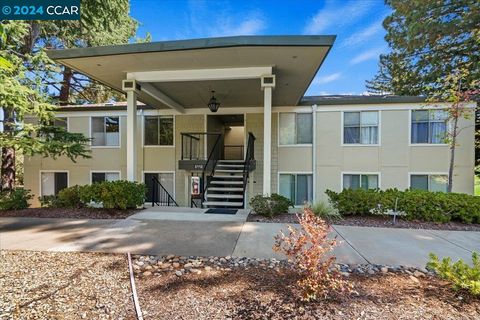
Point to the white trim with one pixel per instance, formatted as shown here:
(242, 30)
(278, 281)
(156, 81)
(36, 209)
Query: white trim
(160, 171)
(106, 171)
(47, 171)
(428, 174)
(201, 74)
(314, 153)
(119, 132)
(378, 173)
(143, 132)
(293, 145)
(379, 134)
(410, 144)
(295, 173)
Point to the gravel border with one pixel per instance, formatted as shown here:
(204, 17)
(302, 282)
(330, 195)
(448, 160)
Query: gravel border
(64, 285)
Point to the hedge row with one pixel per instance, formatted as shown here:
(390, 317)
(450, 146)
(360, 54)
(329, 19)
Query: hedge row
(111, 194)
(415, 204)
(15, 199)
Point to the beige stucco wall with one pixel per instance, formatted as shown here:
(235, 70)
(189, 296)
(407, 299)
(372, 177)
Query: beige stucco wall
(393, 159)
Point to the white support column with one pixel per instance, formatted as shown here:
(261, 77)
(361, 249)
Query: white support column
(132, 136)
(267, 140)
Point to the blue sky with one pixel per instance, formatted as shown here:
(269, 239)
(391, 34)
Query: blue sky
(357, 25)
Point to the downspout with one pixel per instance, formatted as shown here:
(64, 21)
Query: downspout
(314, 152)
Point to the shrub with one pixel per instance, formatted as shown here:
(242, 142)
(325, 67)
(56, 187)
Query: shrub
(15, 199)
(270, 206)
(325, 210)
(48, 201)
(459, 273)
(415, 204)
(119, 194)
(308, 248)
(69, 198)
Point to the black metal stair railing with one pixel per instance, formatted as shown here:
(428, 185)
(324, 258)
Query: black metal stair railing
(212, 160)
(249, 158)
(160, 196)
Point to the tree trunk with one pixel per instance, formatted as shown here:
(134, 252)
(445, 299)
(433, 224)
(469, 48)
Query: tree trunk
(8, 153)
(453, 143)
(65, 89)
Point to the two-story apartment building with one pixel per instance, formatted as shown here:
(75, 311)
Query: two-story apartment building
(266, 136)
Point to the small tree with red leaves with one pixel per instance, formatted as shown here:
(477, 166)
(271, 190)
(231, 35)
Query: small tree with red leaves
(308, 249)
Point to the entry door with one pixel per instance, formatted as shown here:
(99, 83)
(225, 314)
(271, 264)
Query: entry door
(166, 179)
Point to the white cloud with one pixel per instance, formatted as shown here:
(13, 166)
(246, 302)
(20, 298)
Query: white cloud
(249, 26)
(368, 55)
(364, 34)
(225, 21)
(336, 16)
(327, 78)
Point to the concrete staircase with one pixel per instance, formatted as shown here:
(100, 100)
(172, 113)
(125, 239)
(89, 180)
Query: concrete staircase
(225, 189)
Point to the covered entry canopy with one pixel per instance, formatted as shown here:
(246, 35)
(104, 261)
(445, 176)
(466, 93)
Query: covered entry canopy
(181, 74)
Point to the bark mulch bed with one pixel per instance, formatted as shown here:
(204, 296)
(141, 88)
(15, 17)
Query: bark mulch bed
(59, 285)
(374, 221)
(82, 213)
(266, 294)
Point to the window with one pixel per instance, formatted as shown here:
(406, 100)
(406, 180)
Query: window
(53, 182)
(158, 131)
(61, 122)
(296, 187)
(296, 128)
(429, 126)
(105, 131)
(360, 181)
(430, 182)
(360, 127)
(105, 176)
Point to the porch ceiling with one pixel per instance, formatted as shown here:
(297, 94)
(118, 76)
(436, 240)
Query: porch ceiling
(295, 61)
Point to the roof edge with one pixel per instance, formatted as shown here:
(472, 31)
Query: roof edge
(191, 44)
(359, 99)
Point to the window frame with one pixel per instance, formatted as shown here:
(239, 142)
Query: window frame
(143, 131)
(105, 171)
(379, 130)
(295, 173)
(296, 138)
(423, 144)
(428, 174)
(104, 126)
(50, 171)
(67, 121)
(365, 173)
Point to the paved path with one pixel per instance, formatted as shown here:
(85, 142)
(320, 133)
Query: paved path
(220, 238)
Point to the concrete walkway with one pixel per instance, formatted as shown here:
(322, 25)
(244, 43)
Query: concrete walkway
(227, 236)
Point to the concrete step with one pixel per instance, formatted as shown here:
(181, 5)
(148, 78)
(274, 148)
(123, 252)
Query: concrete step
(227, 176)
(226, 189)
(223, 204)
(229, 170)
(224, 196)
(233, 166)
(226, 182)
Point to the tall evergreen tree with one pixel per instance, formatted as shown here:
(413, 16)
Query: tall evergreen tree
(429, 39)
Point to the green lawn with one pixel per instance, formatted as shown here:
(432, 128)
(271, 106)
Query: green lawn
(477, 186)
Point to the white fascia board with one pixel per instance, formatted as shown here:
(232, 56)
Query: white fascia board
(162, 97)
(200, 74)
